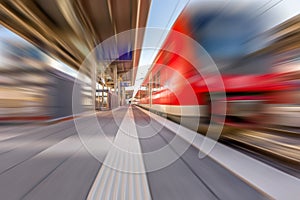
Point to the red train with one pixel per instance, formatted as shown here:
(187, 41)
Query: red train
(247, 85)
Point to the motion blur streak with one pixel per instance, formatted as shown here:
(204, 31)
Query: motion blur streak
(252, 97)
(260, 69)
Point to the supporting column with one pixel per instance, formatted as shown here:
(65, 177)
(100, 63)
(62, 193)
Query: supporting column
(116, 83)
(93, 82)
(123, 96)
(119, 92)
(102, 102)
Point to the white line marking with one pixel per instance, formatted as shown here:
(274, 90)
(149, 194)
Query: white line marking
(122, 175)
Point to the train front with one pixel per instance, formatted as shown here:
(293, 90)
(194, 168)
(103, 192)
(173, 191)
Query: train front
(226, 65)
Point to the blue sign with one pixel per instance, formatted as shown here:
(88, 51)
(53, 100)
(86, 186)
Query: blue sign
(124, 84)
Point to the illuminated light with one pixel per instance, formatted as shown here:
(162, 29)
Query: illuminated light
(62, 67)
(129, 88)
(143, 88)
(288, 67)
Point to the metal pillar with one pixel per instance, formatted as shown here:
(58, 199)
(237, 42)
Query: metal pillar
(102, 102)
(93, 82)
(119, 92)
(116, 83)
(123, 96)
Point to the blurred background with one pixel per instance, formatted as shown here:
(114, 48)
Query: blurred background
(254, 44)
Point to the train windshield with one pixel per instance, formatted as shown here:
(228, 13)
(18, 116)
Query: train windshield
(228, 38)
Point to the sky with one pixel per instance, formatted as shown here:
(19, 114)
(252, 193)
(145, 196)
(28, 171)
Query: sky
(163, 13)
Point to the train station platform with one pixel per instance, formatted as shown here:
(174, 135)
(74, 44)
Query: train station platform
(149, 157)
